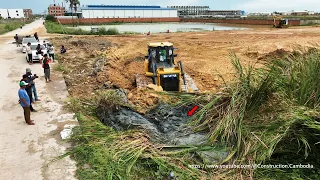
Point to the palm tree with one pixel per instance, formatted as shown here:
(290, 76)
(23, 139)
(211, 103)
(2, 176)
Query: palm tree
(73, 6)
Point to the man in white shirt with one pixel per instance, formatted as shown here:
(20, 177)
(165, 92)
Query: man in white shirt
(29, 52)
(51, 52)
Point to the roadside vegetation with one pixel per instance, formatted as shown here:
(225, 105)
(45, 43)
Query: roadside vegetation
(266, 116)
(53, 27)
(10, 25)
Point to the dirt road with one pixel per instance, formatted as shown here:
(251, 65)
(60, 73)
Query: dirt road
(25, 151)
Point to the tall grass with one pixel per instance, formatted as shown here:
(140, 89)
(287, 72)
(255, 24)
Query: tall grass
(53, 27)
(10, 26)
(268, 114)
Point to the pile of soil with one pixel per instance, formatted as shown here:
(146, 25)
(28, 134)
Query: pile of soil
(274, 54)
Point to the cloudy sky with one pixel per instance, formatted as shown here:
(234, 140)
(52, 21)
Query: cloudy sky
(247, 5)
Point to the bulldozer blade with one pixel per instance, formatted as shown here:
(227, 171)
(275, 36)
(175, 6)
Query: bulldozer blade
(190, 86)
(142, 80)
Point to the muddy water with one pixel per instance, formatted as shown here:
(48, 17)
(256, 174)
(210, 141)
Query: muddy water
(165, 125)
(163, 27)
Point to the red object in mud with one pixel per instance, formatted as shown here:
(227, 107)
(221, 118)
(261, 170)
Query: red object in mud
(191, 112)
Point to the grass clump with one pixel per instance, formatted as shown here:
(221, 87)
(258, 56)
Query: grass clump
(269, 115)
(62, 68)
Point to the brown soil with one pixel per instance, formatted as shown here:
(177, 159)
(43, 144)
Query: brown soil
(205, 56)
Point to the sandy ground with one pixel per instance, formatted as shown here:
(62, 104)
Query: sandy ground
(205, 56)
(25, 151)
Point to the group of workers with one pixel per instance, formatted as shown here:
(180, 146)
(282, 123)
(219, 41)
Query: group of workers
(27, 92)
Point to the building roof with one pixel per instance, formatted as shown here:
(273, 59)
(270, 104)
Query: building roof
(120, 7)
(55, 5)
(127, 9)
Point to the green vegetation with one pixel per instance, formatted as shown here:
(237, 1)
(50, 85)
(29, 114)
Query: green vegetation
(53, 27)
(62, 68)
(268, 115)
(271, 116)
(10, 25)
(50, 18)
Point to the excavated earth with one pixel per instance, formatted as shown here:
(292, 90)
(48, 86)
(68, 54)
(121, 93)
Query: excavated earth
(93, 63)
(205, 57)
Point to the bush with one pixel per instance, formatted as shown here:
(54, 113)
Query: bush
(112, 31)
(50, 18)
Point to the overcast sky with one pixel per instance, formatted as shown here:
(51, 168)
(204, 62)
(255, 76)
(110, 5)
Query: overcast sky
(38, 6)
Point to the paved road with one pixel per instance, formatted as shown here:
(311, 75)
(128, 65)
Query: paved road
(25, 151)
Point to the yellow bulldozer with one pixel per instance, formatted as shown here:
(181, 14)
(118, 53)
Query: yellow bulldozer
(279, 22)
(163, 71)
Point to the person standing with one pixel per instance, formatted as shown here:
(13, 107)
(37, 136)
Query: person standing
(51, 52)
(30, 80)
(29, 52)
(16, 37)
(44, 44)
(25, 102)
(29, 91)
(36, 36)
(39, 52)
(46, 68)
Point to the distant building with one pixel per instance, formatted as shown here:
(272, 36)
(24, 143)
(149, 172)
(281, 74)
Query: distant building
(27, 13)
(4, 13)
(190, 10)
(56, 10)
(117, 11)
(224, 12)
(300, 13)
(260, 14)
(15, 13)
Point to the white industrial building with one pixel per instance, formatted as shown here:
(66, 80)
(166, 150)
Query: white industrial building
(11, 13)
(4, 13)
(113, 11)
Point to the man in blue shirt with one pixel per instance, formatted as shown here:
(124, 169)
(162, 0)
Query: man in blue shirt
(25, 102)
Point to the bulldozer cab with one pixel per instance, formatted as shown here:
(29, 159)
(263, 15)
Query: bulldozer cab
(161, 55)
(279, 22)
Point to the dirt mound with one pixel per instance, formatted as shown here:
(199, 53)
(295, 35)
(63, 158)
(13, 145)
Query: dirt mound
(274, 54)
(78, 43)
